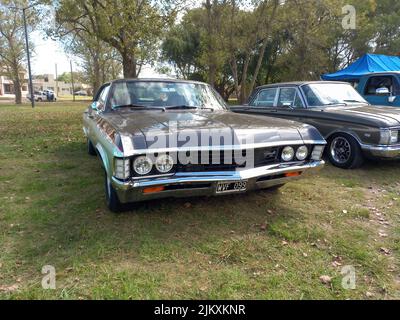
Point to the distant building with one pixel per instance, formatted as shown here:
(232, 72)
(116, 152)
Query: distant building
(48, 82)
(7, 86)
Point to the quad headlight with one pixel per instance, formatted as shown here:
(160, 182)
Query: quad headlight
(143, 165)
(302, 153)
(389, 137)
(122, 168)
(288, 154)
(164, 163)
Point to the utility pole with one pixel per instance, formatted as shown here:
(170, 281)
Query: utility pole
(29, 59)
(56, 91)
(72, 81)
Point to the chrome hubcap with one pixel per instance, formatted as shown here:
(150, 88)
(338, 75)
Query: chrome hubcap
(340, 150)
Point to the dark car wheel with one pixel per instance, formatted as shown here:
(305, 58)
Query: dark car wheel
(112, 200)
(345, 152)
(90, 148)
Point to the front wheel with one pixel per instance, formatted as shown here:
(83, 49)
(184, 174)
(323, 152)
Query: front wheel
(112, 200)
(345, 152)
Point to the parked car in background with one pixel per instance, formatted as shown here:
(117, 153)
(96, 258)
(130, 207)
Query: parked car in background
(51, 97)
(353, 128)
(381, 88)
(39, 96)
(172, 138)
(81, 93)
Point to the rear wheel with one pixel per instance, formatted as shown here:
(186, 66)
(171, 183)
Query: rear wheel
(112, 200)
(90, 148)
(345, 152)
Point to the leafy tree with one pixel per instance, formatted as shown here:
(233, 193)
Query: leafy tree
(132, 27)
(12, 41)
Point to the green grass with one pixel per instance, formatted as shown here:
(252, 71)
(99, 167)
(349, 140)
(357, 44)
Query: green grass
(52, 212)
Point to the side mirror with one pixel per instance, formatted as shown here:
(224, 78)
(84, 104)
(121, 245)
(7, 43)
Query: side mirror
(287, 105)
(382, 91)
(95, 106)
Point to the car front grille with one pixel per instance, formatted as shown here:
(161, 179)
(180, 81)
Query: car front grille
(228, 160)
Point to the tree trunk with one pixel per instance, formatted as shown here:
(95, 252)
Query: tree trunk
(97, 77)
(243, 91)
(17, 90)
(129, 65)
(212, 68)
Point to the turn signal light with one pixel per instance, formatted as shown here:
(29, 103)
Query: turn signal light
(293, 174)
(153, 190)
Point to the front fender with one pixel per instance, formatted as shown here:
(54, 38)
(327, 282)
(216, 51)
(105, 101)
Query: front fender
(105, 161)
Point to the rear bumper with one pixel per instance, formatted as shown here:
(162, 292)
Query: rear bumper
(205, 183)
(384, 152)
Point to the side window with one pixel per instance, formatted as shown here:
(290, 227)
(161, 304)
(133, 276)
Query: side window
(379, 82)
(266, 98)
(288, 97)
(102, 97)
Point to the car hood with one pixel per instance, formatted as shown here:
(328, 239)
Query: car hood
(381, 115)
(156, 129)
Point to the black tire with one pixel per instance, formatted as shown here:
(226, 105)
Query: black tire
(90, 148)
(112, 199)
(345, 152)
(39, 99)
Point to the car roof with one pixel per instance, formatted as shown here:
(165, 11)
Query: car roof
(384, 73)
(171, 80)
(296, 84)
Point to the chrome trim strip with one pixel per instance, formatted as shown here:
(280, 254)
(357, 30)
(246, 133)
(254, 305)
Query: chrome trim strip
(200, 177)
(386, 151)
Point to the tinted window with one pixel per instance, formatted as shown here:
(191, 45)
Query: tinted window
(266, 98)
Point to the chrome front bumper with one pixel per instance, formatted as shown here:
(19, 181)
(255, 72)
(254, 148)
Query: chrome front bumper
(205, 183)
(385, 152)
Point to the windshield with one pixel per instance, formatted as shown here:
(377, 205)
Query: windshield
(328, 94)
(158, 94)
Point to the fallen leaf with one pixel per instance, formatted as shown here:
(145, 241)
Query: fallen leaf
(326, 279)
(285, 243)
(336, 264)
(385, 251)
(369, 294)
(263, 227)
(383, 235)
(345, 212)
(187, 205)
(305, 255)
(6, 289)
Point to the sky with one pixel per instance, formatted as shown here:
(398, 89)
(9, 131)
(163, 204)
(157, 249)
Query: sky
(48, 53)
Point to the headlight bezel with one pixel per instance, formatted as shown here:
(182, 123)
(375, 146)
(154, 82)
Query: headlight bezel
(317, 152)
(389, 137)
(122, 168)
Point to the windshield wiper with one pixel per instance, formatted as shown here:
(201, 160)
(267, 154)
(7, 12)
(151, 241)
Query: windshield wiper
(336, 104)
(356, 101)
(180, 107)
(138, 107)
(187, 107)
